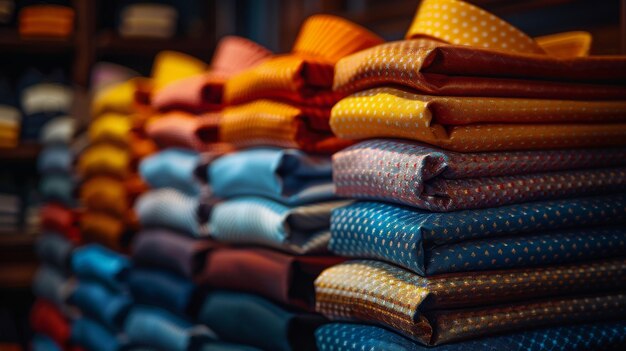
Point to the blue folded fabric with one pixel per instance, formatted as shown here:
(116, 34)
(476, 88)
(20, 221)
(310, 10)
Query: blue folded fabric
(41, 342)
(252, 320)
(226, 346)
(528, 234)
(171, 209)
(100, 303)
(172, 168)
(55, 159)
(288, 176)
(95, 262)
(50, 284)
(54, 250)
(358, 337)
(162, 289)
(58, 188)
(92, 336)
(154, 327)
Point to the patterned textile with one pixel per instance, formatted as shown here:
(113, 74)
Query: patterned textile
(162, 289)
(101, 304)
(171, 209)
(428, 178)
(305, 76)
(260, 221)
(393, 113)
(426, 242)
(286, 279)
(267, 326)
(171, 168)
(392, 297)
(153, 327)
(583, 337)
(54, 250)
(288, 176)
(271, 123)
(170, 251)
(92, 336)
(98, 263)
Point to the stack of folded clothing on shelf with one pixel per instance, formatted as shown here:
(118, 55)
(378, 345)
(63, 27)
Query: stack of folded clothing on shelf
(468, 251)
(10, 116)
(49, 18)
(154, 19)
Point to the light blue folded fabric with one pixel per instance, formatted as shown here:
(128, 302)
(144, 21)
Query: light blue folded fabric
(92, 336)
(95, 262)
(172, 168)
(54, 250)
(154, 327)
(55, 159)
(171, 209)
(100, 303)
(41, 342)
(288, 176)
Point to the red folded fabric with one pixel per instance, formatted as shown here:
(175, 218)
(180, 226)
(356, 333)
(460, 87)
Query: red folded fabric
(46, 319)
(57, 218)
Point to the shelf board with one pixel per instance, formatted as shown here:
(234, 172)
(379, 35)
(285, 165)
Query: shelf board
(110, 43)
(27, 152)
(11, 41)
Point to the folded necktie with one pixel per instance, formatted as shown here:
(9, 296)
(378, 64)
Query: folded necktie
(204, 92)
(426, 177)
(110, 127)
(153, 327)
(170, 251)
(479, 124)
(163, 289)
(98, 263)
(101, 304)
(42, 342)
(54, 250)
(271, 123)
(260, 221)
(380, 293)
(171, 168)
(92, 336)
(420, 240)
(117, 98)
(104, 159)
(284, 278)
(265, 325)
(59, 219)
(288, 176)
(109, 230)
(51, 285)
(596, 336)
(180, 129)
(171, 209)
(305, 76)
(46, 319)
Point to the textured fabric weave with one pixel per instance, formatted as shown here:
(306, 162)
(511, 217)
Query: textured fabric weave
(172, 168)
(171, 209)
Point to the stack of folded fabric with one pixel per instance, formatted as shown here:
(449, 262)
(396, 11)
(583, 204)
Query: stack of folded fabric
(10, 116)
(473, 251)
(153, 19)
(50, 18)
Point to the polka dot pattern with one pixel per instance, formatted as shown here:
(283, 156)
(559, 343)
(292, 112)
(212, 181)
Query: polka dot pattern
(406, 237)
(378, 293)
(478, 124)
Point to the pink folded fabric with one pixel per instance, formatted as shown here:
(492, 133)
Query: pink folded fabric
(184, 130)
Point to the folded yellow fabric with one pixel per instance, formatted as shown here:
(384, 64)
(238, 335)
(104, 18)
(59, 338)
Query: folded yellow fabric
(104, 159)
(170, 66)
(104, 194)
(118, 98)
(110, 126)
(479, 124)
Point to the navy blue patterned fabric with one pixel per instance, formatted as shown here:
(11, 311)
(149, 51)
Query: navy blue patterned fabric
(510, 236)
(585, 337)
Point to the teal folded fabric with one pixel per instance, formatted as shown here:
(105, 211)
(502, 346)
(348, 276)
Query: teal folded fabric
(101, 304)
(172, 168)
(58, 188)
(95, 262)
(41, 342)
(92, 336)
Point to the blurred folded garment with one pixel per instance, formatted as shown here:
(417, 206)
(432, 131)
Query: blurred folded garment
(55, 159)
(283, 278)
(165, 290)
(479, 124)
(287, 176)
(157, 328)
(430, 243)
(111, 196)
(172, 168)
(58, 188)
(42, 342)
(183, 130)
(108, 74)
(98, 302)
(429, 178)
(59, 130)
(117, 98)
(171, 209)
(305, 75)
(100, 264)
(60, 219)
(162, 249)
(92, 336)
(104, 159)
(170, 66)
(109, 230)
(267, 326)
(381, 293)
(110, 127)
(47, 320)
(152, 20)
(55, 250)
(51, 285)
(204, 92)
(251, 220)
(10, 115)
(596, 336)
(46, 20)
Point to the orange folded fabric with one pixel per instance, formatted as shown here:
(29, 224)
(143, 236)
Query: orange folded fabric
(180, 129)
(46, 20)
(487, 57)
(305, 75)
(270, 123)
(111, 196)
(107, 230)
(204, 92)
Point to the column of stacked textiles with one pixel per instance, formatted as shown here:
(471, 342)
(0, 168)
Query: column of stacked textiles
(495, 218)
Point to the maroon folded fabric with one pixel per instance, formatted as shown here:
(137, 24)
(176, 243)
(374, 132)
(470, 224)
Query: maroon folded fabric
(46, 319)
(283, 278)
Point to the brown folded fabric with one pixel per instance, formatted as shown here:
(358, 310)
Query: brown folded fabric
(284, 278)
(110, 231)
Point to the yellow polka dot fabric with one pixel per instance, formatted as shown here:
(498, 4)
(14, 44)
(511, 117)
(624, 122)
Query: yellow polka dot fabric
(479, 124)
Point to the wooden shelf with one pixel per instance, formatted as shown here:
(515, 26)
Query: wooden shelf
(11, 41)
(110, 43)
(22, 153)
